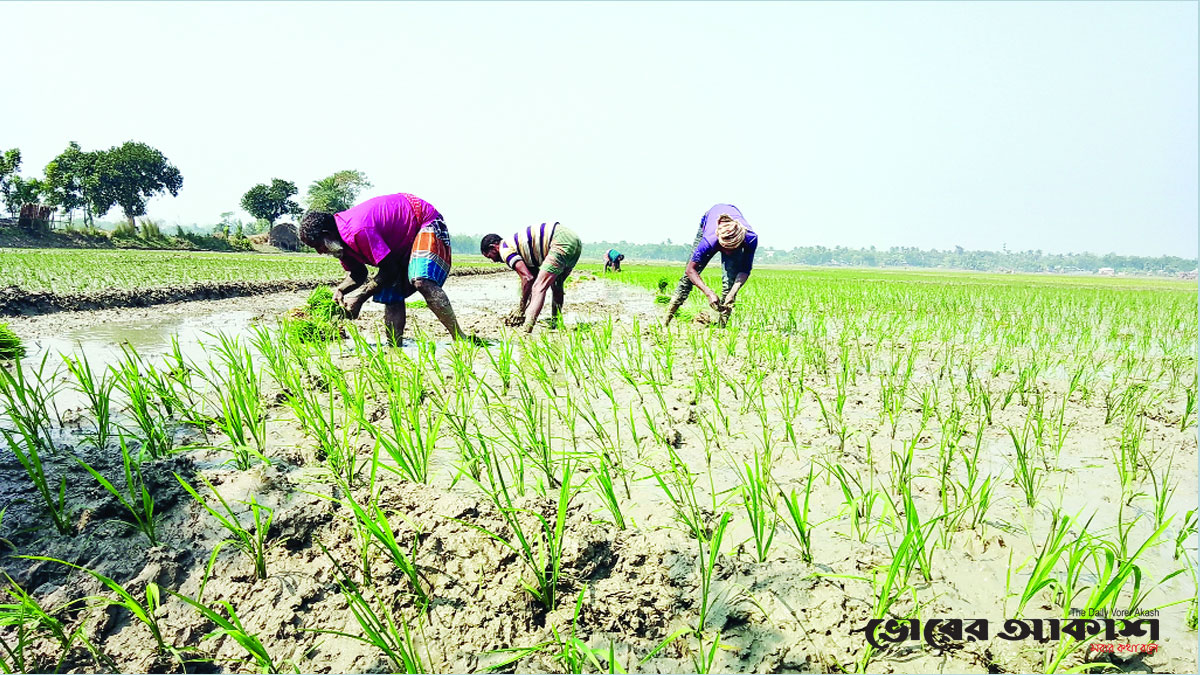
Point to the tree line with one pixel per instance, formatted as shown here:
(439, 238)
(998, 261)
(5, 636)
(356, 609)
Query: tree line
(128, 175)
(905, 256)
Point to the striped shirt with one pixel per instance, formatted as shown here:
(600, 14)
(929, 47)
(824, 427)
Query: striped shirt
(530, 245)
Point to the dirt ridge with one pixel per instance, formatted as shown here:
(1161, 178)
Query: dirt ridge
(16, 301)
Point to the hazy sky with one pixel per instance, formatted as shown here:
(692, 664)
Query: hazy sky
(1053, 126)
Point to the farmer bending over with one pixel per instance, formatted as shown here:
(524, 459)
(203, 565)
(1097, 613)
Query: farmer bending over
(405, 238)
(543, 256)
(613, 260)
(723, 228)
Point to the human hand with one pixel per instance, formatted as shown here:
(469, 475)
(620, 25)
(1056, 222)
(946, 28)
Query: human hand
(339, 297)
(353, 307)
(514, 318)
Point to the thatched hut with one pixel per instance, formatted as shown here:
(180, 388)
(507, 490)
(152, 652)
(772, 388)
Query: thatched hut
(284, 237)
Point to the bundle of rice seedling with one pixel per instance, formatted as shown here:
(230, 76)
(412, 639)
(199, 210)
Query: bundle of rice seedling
(319, 320)
(10, 344)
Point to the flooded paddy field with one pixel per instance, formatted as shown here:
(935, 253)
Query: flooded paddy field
(611, 495)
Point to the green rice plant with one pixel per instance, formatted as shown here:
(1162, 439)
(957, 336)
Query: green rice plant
(569, 650)
(889, 588)
(919, 551)
(502, 361)
(232, 627)
(707, 563)
(1128, 456)
(602, 478)
(1189, 404)
(410, 442)
(372, 523)
(540, 549)
(801, 524)
(679, 485)
(859, 500)
(28, 619)
(1046, 559)
(98, 391)
(243, 417)
(144, 611)
(138, 388)
(1026, 474)
(29, 401)
(1112, 573)
(250, 541)
(758, 498)
(11, 347)
(1163, 492)
(1186, 532)
(135, 496)
(28, 444)
(378, 622)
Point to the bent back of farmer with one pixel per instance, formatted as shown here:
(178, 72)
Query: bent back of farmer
(724, 230)
(401, 234)
(613, 259)
(543, 256)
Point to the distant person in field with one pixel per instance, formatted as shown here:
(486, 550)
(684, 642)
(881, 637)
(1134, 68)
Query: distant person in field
(613, 260)
(723, 228)
(543, 256)
(403, 236)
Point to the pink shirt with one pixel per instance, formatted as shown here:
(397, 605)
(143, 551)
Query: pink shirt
(381, 225)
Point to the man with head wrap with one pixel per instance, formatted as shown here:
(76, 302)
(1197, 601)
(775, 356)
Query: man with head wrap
(723, 228)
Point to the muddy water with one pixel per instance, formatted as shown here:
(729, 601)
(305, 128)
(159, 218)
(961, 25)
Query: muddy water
(102, 336)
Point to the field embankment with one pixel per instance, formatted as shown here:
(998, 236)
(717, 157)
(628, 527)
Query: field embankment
(37, 281)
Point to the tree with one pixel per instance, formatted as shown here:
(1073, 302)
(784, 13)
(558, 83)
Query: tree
(337, 192)
(271, 201)
(10, 163)
(73, 182)
(21, 192)
(130, 174)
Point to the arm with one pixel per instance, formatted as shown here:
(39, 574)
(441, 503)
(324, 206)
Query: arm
(693, 275)
(738, 282)
(390, 269)
(356, 275)
(526, 284)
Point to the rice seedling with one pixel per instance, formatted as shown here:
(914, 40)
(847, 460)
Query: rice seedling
(679, 485)
(602, 478)
(709, 549)
(25, 615)
(28, 443)
(373, 526)
(243, 417)
(251, 541)
(801, 524)
(1046, 559)
(98, 391)
(1026, 474)
(540, 548)
(150, 424)
(232, 627)
(29, 402)
(758, 499)
(1186, 532)
(378, 622)
(135, 495)
(859, 500)
(1163, 492)
(145, 610)
(11, 347)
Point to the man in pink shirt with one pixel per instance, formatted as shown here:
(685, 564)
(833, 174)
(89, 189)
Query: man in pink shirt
(402, 235)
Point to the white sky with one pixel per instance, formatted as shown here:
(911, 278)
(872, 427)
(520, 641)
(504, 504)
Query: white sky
(1056, 126)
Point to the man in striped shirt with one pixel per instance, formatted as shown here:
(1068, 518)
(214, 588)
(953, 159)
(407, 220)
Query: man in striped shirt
(543, 256)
